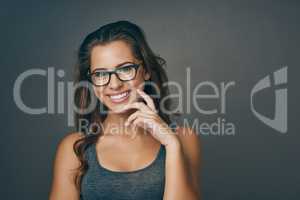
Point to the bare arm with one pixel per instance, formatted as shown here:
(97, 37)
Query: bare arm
(183, 167)
(63, 186)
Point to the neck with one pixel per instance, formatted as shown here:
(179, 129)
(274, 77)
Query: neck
(114, 124)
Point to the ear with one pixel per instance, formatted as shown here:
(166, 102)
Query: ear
(146, 75)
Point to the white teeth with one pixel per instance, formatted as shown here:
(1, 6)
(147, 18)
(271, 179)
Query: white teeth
(119, 96)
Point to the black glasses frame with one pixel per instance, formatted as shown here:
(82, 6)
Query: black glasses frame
(113, 71)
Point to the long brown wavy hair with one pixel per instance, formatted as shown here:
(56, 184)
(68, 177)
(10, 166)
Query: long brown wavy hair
(134, 36)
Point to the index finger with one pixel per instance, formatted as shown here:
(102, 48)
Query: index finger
(148, 99)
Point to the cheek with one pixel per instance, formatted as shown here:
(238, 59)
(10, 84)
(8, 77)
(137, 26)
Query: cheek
(136, 84)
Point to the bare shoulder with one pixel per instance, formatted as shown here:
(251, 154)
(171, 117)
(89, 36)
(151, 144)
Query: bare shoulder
(65, 150)
(189, 140)
(191, 146)
(70, 139)
(65, 145)
(64, 169)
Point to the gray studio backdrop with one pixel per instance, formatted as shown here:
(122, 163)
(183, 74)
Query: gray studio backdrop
(235, 50)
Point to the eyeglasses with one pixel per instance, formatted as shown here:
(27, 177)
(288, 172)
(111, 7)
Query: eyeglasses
(101, 77)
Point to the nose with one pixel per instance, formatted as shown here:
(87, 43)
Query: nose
(115, 82)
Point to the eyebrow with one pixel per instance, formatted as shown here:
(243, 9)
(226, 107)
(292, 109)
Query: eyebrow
(118, 65)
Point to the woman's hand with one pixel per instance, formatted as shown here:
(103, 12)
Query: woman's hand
(147, 118)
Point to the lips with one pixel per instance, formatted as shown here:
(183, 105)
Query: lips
(120, 97)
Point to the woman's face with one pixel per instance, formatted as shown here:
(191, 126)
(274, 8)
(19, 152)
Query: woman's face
(117, 93)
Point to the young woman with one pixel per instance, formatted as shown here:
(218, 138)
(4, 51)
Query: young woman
(134, 153)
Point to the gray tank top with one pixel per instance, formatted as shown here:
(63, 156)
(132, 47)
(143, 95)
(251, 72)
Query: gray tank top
(100, 183)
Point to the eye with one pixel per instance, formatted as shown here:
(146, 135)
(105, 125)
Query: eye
(126, 69)
(100, 74)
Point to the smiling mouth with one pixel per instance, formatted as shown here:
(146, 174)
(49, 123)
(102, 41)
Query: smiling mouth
(119, 97)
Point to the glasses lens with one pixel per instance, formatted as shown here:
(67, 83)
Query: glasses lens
(100, 78)
(127, 72)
